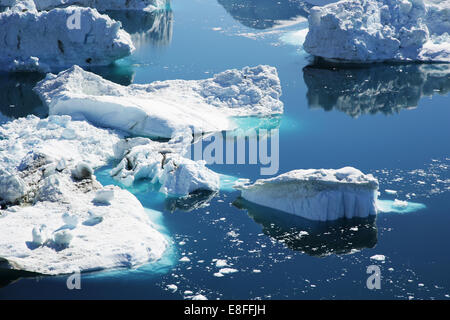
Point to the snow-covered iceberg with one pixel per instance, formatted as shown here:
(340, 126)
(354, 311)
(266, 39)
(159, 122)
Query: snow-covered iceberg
(371, 89)
(56, 218)
(317, 194)
(380, 30)
(39, 41)
(161, 108)
(101, 5)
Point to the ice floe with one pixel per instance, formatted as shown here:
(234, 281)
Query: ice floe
(380, 30)
(164, 165)
(164, 107)
(40, 41)
(317, 194)
(58, 219)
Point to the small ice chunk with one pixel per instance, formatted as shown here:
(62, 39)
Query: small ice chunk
(393, 192)
(220, 263)
(228, 270)
(378, 257)
(40, 234)
(69, 219)
(185, 259)
(173, 288)
(199, 297)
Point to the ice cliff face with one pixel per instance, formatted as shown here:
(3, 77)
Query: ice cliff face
(39, 41)
(164, 107)
(317, 194)
(380, 30)
(56, 218)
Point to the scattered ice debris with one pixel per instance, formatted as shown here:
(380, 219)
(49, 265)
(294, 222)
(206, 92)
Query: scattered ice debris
(380, 30)
(317, 194)
(164, 108)
(378, 257)
(30, 46)
(58, 228)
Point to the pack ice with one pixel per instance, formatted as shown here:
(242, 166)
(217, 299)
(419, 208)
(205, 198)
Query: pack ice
(39, 41)
(317, 194)
(380, 30)
(56, 218)
(161, 108)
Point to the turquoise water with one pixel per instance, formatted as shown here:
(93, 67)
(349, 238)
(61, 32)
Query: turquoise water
(388, 120)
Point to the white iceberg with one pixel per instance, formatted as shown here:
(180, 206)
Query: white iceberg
(65, 223)
(380, 30)
(39, 41)
(317, 194)
(101, 5)
(164, 165)
(164, 107)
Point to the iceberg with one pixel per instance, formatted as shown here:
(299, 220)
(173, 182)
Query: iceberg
(317, 194)
(40, 41)
(371, 89)
(162, 108)
(55, 217)
(101, 5)
(164, 165)
(380, 30)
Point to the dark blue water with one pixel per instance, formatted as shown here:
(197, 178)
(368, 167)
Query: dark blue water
(389, 120)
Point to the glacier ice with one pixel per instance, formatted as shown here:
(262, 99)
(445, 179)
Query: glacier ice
(317, 194)
(62, 224)
(40, 41)
(161, 108)
(380, 30)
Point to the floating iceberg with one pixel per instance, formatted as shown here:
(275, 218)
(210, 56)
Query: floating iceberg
(38, 41)
(163, 164)
(380, 30)
(66, 221)
(101, 5)
(371, 89)
(162, 108)
(317, 194)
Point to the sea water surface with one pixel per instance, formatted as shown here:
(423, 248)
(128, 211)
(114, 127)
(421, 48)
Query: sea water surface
(388, 120)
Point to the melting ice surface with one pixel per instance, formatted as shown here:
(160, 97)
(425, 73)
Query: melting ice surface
(407, 151)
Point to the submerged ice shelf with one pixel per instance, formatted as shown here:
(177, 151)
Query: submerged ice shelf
(164, 107)
(39, 41)
(317, 194)
(380, 30)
